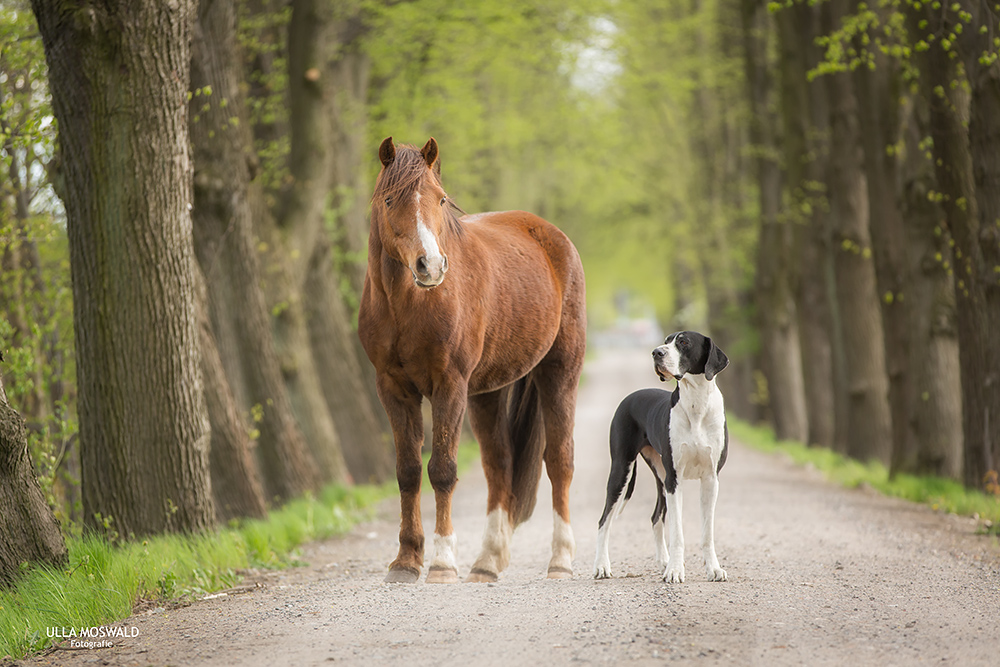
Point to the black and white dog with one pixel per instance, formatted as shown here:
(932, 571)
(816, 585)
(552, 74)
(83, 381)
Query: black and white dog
(681, 435)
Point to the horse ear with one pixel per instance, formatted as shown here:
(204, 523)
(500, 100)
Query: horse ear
(430, 153)
(717, 361)
(387, 152)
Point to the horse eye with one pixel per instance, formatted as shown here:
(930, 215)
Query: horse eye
(388, 201)
(443, 200)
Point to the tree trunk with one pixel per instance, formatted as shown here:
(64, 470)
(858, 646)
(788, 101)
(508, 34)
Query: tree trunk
(937, 411)
(774, 289)
(28, 529)
(236, 485)
(119, 80)
(879, 122)
(292, 237)
(368, 450)
(223, 224)
(869, 427)
(977, 250)
(804, 106)
(350, 73)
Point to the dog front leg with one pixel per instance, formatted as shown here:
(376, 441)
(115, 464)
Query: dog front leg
(709, 494)
(674, 574)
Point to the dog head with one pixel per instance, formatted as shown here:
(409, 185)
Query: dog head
(688, 353)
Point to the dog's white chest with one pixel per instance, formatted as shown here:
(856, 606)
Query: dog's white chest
(696, 439)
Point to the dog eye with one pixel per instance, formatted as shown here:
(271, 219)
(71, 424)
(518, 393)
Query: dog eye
(682, 342)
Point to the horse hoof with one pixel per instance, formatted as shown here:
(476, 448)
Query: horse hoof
(560, 573)
(481, 577)
(442, 575)
(402, 576)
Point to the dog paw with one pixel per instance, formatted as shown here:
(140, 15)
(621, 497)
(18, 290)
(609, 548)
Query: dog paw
(674, 574)
(717, 574)
(602, 572)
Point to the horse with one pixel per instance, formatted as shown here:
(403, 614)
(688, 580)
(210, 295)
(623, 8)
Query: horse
(485, 312)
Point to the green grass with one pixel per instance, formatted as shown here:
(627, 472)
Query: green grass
(941, 494)
(103, 582)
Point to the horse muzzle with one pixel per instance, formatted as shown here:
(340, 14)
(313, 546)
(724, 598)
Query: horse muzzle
(428, 273)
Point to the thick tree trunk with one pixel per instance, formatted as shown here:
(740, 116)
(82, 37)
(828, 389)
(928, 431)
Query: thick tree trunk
(805, 121)
(236, 485)
(350, 73)
(119, 80)
(223, 224)
(937, 412)
(774, 289)
(869, 427)
(977, 251)
(291, 237)
(368, 451)
(965, 133)
(879, 122)
(29, 531)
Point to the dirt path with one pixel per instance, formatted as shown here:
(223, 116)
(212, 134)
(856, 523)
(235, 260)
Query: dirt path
(818, 575)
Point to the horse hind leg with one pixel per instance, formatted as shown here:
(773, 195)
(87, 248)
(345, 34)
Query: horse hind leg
(487, 414)
(558, 384)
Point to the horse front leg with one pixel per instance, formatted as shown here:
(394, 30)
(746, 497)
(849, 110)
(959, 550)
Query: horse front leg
(448, 408)
(403, 410)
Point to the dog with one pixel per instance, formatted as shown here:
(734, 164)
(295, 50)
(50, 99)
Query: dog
(681, 435)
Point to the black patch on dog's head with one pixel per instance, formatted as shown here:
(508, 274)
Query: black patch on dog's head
(698, 354)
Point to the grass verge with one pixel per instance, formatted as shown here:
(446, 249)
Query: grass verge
(941, 494)
(103, 582)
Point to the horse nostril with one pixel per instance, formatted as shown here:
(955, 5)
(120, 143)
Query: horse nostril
(422, 265)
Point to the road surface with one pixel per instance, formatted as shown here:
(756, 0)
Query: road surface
(818, 575)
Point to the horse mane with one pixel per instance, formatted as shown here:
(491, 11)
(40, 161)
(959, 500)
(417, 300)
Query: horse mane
(404, 176)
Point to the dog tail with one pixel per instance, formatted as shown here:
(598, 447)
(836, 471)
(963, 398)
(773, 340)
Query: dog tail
(526, 431)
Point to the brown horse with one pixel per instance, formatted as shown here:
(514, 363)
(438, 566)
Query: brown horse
(487, 311)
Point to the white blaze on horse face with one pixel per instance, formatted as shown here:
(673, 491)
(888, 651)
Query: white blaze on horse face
(435, 262)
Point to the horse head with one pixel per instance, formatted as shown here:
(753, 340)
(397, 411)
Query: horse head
(412, 210)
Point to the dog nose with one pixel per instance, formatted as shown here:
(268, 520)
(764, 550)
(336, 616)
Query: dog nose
(657, 353)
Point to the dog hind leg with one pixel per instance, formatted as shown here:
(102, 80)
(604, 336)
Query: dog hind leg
(618, 497)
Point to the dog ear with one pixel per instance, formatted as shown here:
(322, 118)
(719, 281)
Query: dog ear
(717, 360)
(387, 152)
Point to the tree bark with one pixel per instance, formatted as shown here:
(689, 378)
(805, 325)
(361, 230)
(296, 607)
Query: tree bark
(977, 251)
(29, 532)
(879, 112)
(223, 223)
(806, 122)
(291, 237)
(869, 427)
(937, 395)
(119, 79)
(774, 288)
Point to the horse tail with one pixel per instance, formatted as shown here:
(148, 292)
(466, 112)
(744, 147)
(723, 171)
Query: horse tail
(527, 439)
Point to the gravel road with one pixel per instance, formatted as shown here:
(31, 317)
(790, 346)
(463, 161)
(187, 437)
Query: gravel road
(818, 575)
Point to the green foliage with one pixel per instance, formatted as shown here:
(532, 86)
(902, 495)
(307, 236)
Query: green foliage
(36, 327)
(940, 494)
(102, 582)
